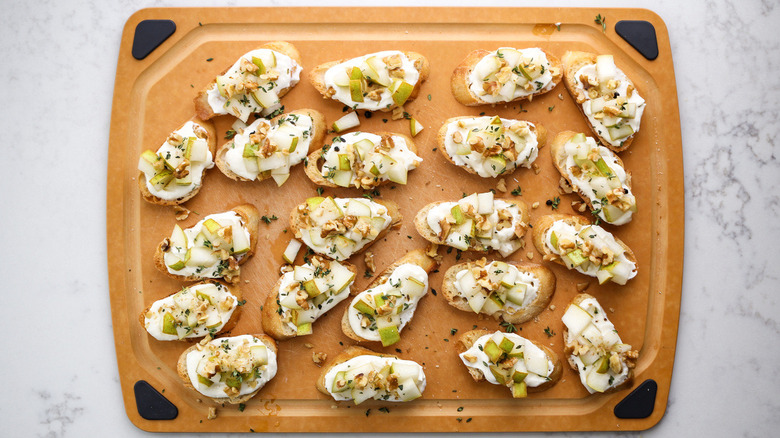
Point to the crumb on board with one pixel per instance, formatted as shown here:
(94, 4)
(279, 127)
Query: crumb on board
(501, 185)
(308, 345)
(535, 204)
(530, 255)
(552, 307)
(318, 357)
(212, 413)
(582, 286)
(536, 168)
(560, 96)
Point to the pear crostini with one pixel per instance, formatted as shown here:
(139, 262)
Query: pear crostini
(573, 241)
(229, 370)
(304, 294)
(380, 312)
(477, 222)
(605, 96)
(504, 75)
(509, 291)
(363, 160)
(253, 84)
(510, 360)
(270, 148)
(339, 228)
(490, 146)
(597, 174)
(378, 81)
(594, 348)
(174, 173)
(212, 248)
(359, 374)
(207, 308)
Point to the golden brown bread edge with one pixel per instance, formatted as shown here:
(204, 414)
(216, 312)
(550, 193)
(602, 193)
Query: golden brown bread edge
(212, 142)
(417, 257)
(251, 218)
(537, 306)
(459, 82)
(181, 369)
(539, 130)
(572, 62)
(318, 126)
(314, 161)
(467, 339)
(421, 64)
(272, 318)
(201, 101)
(347, 354)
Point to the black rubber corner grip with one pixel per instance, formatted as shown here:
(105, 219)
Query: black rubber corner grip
(151, 404)
(639, 403)
(149, 34)
(641, 36)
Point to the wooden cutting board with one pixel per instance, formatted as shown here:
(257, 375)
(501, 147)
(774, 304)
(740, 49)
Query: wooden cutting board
(154, 95)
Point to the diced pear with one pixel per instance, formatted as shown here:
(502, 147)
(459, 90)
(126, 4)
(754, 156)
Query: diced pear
(168, 324)
(397, 174)
(516, 294)
(342, 178)
(344, 245)
(291, 251)
(470, 200)
(277, 160)
(578, 138)
(402, 92)
(597, 381)
(597, 105)
(477, 302)
(575, 257)
(280, 178)
(358, 208)
(348, 121)
(592, 335)
(492, 350)
(405, 370)
(605, 68)
(222, 82)
(200, 256)
(327, 210)
(265, 99)
(487, 66)
(408, 390)
(518, 376)
(355, 73)
(178, 237)
(535, 359)
(620, 132)
(507, 91)
(363, 148)
(495, 165)
(628, 111)
(340, 378)
(610, 121)
(378, 71)
(160, 180)
(289, 302)
(510, 55)
(341, 277)
(205, 381)
(187, 180)
(378, 224)
(576, 319)
(457, 214)
(506, 345)
(356, 90)
(211, 226)
(259, 354)
(303, 273)
(363, 307)
(519, 390)
(498, 374)
(260, 65)
(359, 396)
(241, 242)
(492, 305)
(389, 335)
(415, 127)
(198, 150)
(414, 287)
(311, 288)
(344, 162)
(457, 240)
(496, 271)
(177, 264)
(304, 329)
(341, 78)
(462, 149)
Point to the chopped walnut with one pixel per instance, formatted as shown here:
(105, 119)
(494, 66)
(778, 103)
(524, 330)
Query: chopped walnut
(470, 357)
(520, 128)
(302, 299)
(536, 168)
(593, 93)
(629, 90)
(175, 139)
(165, 245)
(375, 95)
(181, 213)
(530, 255)
(457, 137)
(319, 357)
(212, 413)
(563, 183)
(612, 110)
(398, 113)
(393, 61)
(365, 322)
(369, 259)
(614, 363)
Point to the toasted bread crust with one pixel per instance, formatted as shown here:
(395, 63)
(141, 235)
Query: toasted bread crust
(318, 136)
(459, 82)
(542, 300)
(181, 369)
(417, 257)
(539, 130)
(467, 339)
(349, 353)
(317, 75)
(201, 101)
(572, 62)
(212, 142)
(251, 218)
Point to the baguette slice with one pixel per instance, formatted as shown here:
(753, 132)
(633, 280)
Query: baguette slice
(416, 257)
(461, 86)
(315, 141)
(546, 289)
(469, 338)
(181, 368)
(205, 111)
(229, 324)
(251, 219)
(211, 138)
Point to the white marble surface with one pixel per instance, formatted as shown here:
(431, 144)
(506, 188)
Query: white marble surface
(61, 378)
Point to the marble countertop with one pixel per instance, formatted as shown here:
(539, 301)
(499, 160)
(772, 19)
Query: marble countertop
(62, 380)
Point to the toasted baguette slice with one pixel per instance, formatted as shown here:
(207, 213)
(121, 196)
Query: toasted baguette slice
(205, 111)
(211, 139)
(316, 161)
(181, 368)
(575, 353)
(273, 311)
(461, 84)
(234, 290)
(251, 220)
(317, 78)
(572, 63)
(537, 131)
(317, 136)
(545, 280)
(416, 257)
(469, 338)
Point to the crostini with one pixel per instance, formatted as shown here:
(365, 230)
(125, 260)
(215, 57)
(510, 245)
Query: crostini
(359, 374)
(229, 370)
(378, 81)
(510, 360)
(504, 75)
(304, 294)
(477, 222)
(490, 146)
(212, 248)
(594, 348)
(508, 291)
(573, 241)
(270, 148)
(174, 173)
(339, 228)
(605, 96)
(597, 174)
(363, 160)
(253, 84)
(207, 308)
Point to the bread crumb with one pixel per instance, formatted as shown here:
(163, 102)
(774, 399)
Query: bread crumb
(582, 286)
(535, 204)
(308, 345)
(334, 406)
(530, 255)
(501, 186)
(180, 212)
(319, 357)
(552, 307)
(284, 269)
(246, 281)
(560, 96)
(611, 310)
(536, 169)
(212, 413)
(199, 400)
(536, 319)
(369, 259)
